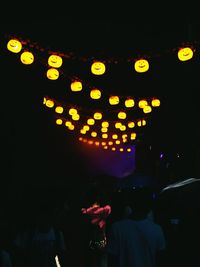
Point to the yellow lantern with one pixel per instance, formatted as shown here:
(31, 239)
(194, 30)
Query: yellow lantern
(52, 74)
(114, 136)
(68, 123)
(114, 100)
(90, 121)
(55, 61)
(27, 58)
(93, 134)
(104, 135)
(76, 117)
(122, 128)
(104, 129)
(59, 121)
(105, 124)
(141, 122)
(121, 115)
(131, 124)
(14, 46)
(95, 94)
(147, 109)
(129, 103)
(155, 102)
(86, 127)
(185, 53)
(142, 103)
(76, 86)
(133, 136)
(49, 103)
(59, 109)
(72, 111)
(118, 125)
(98, 68)
(97, 115)
(141, 65)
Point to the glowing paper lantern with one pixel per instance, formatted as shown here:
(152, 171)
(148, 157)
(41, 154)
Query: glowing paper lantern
(90, 121)
(131, 124)
(27, 58)
(93, 134)
(76, 117)
(147, 109)
(59, 109)
(114, 100)
(105, 124)
(141, 122)
(72, 111)
(155, 102)
(14, 46)
(59, 121)
(114, 136)
(76, 86)
(142, 103)
(52, 74)
(55, 61)
(95, 94)
(129, 103)
(133, 136)
(49, 103)
(97, 115)
(185, 53)
(141, 65)
(98, 68)
(121, 115)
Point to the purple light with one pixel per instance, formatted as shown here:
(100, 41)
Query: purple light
(161, 155)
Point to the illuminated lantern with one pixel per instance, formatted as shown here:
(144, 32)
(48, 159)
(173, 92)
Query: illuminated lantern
(142, 103)
(121, 149)
(90, 121)
(104, 129)
(114, 136)
(27, 58)
(59, 121)
(76, 117)
(105, 147)
(105, 124)
(141, 123)
(93, 134)
(155, 102)
(76, 86)
(110, 143)
(133, 136)
(103, 143)
(71, 127)
(55, 61)
(97, 115)
(86, 127)
(131, 124)
(59, 109)
(14, 46)
(117, 142)
(50, 103)
(147, 109)
(104, 135)
(96, 143)
(121, 115)
(68, 123)
(185, 53)
(118, 125)
(95, 94)
(82, 131)
(141, 65)
(128, 149)
(122, 128)
(124, 136)
(114, 100)
(129, 103)
(52, 74)
(72, 111)
(113, 148)
(98, 68)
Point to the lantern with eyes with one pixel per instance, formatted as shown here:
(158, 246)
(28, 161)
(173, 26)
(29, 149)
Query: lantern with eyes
(27, 58)
(98, 68)
(55, 61)
(185, 54)
(141, 65)
(52, 74)
(14, 46)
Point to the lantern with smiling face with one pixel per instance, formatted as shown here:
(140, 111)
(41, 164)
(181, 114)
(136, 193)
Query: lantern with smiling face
(55, 61)
(14, 46)
(185, 53)
(76, 86)
(98, 68)
(52, 74)
(27, 58)
(141, 65)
